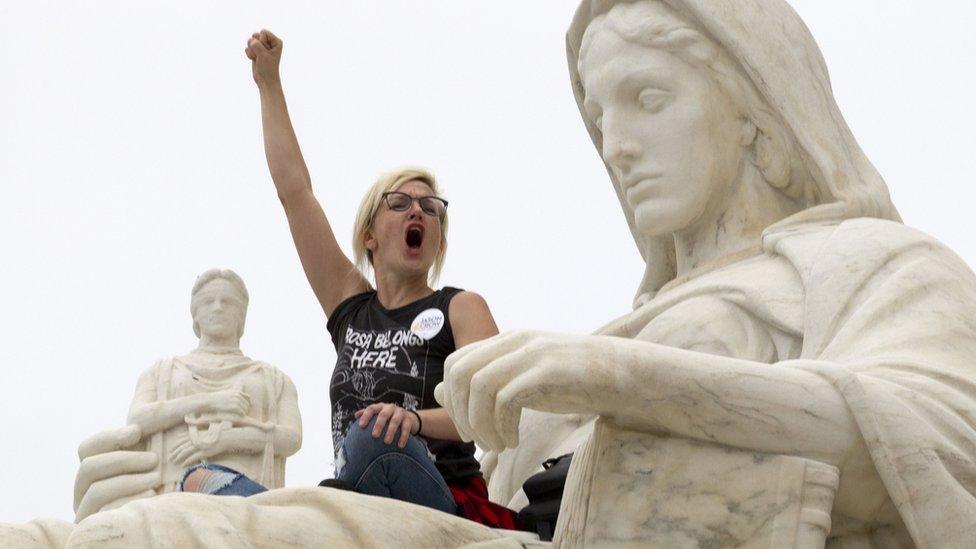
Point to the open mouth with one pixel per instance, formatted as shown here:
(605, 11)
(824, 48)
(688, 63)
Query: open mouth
(415, 237)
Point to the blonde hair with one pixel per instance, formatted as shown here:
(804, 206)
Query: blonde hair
(386, 183)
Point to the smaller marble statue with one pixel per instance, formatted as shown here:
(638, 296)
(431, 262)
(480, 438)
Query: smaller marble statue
(214, 404)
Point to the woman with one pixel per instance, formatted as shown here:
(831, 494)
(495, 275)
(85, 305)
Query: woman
(784, 310)
(390, 436)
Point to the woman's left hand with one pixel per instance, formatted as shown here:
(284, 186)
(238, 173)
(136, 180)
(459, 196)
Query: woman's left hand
(391, 417)
(487, 384)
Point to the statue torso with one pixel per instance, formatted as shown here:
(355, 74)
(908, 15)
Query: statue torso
(197, 373)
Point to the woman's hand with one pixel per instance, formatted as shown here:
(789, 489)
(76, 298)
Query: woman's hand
(487, 384)
(264, 51)
(392, 417)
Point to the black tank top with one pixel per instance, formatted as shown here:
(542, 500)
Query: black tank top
(397, 356)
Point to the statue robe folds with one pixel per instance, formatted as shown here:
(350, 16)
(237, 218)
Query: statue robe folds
(288, 517)
(883, 312)
(890, 320)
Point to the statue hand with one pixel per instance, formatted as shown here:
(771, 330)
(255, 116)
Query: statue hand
(182, 449)
(264, 51)
(487, 384)
(230, 401)
(185, 453)
(112, 473)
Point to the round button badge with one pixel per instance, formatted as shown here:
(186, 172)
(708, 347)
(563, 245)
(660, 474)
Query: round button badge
(428, 323)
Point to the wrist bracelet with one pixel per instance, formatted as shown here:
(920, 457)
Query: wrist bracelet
(420, 422)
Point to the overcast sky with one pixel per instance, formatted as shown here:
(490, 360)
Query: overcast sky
(131, 160)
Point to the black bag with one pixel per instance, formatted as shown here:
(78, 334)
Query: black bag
(545, 493)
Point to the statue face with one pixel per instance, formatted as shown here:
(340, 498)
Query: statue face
(218, 310)
(671, 136)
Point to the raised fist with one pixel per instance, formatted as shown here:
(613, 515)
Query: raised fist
(264, 51)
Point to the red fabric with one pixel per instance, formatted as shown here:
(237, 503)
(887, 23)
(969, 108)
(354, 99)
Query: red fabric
(471, 496)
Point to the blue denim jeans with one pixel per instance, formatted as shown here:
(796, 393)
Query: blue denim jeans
(372, 467)
(377, 469)
(237, 485)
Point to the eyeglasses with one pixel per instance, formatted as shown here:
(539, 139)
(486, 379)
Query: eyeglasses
(431, 205)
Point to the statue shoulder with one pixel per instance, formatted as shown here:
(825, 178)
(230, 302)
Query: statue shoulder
(267, 366)
(855, 258)
(855, 242)
(278, 377)
(875, 243)
(868, 232)
(161, 366)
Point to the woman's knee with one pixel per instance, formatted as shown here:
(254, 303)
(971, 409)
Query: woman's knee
(360, 440)
(361, 447)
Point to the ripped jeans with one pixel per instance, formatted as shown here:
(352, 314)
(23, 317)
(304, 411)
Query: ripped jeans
(367, 464)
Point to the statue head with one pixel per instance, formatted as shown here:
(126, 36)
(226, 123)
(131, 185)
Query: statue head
(678, 121)
(218, 305)
(682, 96)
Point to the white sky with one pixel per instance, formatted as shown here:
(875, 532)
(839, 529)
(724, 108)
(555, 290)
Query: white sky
(131, 160)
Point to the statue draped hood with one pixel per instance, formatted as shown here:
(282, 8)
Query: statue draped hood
(776, 52)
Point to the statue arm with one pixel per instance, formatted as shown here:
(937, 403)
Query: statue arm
(775, 408)
(251, 439)
(288, 431)
(152, 415)
(647, 387)
(772, 408)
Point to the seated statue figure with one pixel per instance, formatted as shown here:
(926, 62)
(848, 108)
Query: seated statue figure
(799, 368)
(211, 405)
(215, 404)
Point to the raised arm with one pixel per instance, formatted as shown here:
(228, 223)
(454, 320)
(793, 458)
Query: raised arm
(332, 276)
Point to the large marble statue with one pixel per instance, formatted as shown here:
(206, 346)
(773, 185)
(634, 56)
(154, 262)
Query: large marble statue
(216, 404)
(799, 368)
(213, 404)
